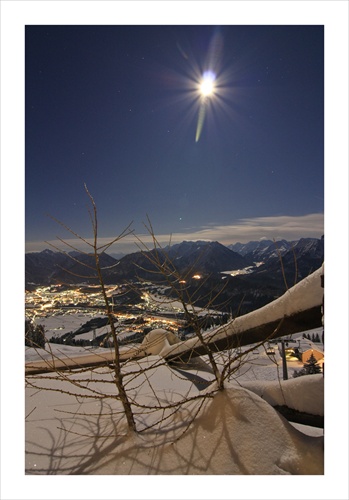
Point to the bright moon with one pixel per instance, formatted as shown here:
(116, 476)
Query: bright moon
(207, 84)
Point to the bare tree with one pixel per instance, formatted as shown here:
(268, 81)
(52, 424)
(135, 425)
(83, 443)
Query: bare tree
(96, 251)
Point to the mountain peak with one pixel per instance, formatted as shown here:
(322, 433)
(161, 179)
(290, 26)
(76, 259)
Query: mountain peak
(47, 251)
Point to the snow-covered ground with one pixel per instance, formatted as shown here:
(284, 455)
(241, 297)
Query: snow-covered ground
(59, 324)
(60, 351)
(170, 305)
(237, 432)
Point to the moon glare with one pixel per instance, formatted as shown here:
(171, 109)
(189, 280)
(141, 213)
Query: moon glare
(207, 84)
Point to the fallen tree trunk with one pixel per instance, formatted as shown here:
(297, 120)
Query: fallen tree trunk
(299, 322)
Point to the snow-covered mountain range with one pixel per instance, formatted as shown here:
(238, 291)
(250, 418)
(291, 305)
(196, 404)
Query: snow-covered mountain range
(267, 250)
(201, 257)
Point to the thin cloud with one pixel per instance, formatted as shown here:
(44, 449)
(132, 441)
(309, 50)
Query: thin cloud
(242, 230)
(257, 228)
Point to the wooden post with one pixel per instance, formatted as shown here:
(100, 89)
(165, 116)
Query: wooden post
(284, 363)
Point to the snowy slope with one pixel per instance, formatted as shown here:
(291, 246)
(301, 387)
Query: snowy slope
(236, 432)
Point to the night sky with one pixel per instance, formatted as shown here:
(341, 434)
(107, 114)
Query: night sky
(117, 108)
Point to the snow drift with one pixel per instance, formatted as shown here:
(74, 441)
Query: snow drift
(236, 431)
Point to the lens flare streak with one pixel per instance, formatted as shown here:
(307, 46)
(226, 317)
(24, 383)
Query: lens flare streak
(201, 118)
